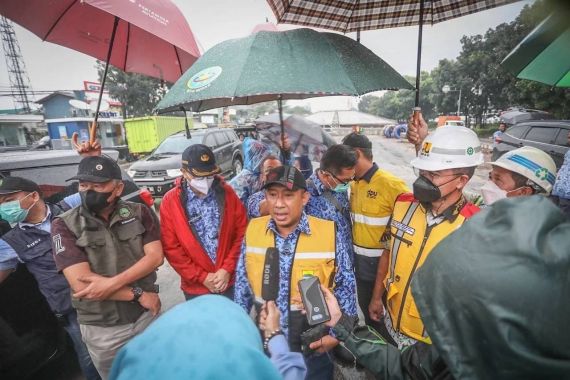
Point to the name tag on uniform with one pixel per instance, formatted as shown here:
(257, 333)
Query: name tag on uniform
(402, 227)
(128, 221)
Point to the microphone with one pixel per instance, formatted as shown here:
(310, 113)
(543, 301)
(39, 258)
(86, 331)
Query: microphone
(270, 279)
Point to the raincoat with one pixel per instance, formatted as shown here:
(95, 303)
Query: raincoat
(493, 297)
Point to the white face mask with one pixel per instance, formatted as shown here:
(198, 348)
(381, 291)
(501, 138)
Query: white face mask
(202, 185)
(492, 193)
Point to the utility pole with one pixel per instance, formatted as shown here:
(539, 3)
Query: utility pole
(19, 80)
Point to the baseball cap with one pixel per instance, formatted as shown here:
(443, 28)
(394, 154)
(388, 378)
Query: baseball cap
(97, 169)
(200, 161)
(288, 176)
(357, 140)
(10, 185)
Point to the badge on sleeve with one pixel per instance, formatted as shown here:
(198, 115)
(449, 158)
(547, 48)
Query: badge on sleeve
(58, 244)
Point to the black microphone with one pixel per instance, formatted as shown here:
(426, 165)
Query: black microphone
(270, 279)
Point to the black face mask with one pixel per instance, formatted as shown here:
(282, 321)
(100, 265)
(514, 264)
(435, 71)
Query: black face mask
(95, 201)
(426, 192)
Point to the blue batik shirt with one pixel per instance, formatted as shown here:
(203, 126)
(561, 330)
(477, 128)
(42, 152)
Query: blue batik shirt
(204, 214)
(321, 207)
(345, 286)
(253, 204)
(562, 185)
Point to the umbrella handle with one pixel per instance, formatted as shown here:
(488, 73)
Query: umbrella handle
(92, 133)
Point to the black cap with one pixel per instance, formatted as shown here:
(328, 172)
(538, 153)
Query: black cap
(357, 140)
(199, 160)
(97, 169)
(10, 185)
(288, 176)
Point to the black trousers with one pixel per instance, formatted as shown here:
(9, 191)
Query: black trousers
(365, 290)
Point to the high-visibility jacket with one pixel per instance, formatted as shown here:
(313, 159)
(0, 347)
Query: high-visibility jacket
(411, 242)
(371, 204)
(314, 254)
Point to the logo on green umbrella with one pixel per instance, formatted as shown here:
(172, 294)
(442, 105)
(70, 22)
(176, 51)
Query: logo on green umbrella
(202, 79)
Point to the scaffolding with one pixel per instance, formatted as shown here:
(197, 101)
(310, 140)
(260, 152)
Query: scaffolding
(20, 87)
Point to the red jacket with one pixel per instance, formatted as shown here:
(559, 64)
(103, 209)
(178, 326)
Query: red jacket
(185, 253)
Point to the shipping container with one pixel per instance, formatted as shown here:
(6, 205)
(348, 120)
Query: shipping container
(145, 133)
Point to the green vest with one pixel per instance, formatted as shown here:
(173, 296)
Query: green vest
(111, 249)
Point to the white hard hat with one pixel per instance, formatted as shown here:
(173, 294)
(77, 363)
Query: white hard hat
(449, 147)
(532, 163)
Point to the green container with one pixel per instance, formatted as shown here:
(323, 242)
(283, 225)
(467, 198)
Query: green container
(145, 133)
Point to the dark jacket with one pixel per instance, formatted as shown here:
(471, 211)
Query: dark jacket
(493, 297)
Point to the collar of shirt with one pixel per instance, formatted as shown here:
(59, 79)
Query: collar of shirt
(24, 225)
(315, 185)
(368, 175)
(451, 212)
(302, 226)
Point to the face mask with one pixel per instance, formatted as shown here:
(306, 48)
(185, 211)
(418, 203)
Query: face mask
(341, 188)
(202, 185)
(12, 211)
(426, 192)
(95, 201)
(492, 193)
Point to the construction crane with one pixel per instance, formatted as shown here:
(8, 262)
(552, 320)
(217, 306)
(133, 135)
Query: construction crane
(19, 81)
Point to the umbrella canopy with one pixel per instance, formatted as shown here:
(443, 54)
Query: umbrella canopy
(149, 37)
(544, 55)
(294, 64)
(307, 137)
(152, 36)
(356, 15)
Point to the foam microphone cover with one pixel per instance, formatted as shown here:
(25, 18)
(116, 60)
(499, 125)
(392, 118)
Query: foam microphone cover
(270, 280)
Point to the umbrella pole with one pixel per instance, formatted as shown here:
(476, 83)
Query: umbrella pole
(419, 61)
(186, 127)
(93, 129)
(280, 106)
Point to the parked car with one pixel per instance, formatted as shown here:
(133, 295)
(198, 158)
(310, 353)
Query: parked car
(158, 171)
(550, 136)
(32, 343)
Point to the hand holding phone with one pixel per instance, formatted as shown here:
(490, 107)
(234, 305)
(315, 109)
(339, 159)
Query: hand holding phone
(316, 308)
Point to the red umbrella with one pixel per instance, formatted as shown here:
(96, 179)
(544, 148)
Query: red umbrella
(149, 37)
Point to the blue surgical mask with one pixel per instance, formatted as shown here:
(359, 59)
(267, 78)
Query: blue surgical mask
(12, 211)
(341, 188)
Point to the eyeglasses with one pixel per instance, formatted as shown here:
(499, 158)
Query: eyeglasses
(340, 180)
(432, 175)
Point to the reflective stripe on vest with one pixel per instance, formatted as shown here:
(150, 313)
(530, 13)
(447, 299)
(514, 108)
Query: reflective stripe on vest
(412, 241)
(314, 255)
(368, 252)
(369, 220)
(370, 211)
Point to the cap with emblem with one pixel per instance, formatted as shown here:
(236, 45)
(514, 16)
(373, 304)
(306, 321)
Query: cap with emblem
(357, 140)
(287, 176)
(97, 169)
(10, 185)
(199, 160)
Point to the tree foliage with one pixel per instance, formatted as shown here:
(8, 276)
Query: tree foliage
(138, 93)
(485, 86)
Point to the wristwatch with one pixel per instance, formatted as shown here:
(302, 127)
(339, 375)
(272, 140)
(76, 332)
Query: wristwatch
(137, 293)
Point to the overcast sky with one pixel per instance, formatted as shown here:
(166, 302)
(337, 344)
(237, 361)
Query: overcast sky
(52, 67)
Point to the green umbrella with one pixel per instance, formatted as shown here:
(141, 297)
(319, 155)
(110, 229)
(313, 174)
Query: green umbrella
(294, 64)
(544, 55)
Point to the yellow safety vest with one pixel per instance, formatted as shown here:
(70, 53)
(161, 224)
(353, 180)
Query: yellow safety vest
(371, 204)
(412, 241)
(314, 254)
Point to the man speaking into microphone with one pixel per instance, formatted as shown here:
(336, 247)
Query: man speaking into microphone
(306, 246)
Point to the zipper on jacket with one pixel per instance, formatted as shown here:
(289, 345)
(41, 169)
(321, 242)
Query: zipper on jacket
(405, 294)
